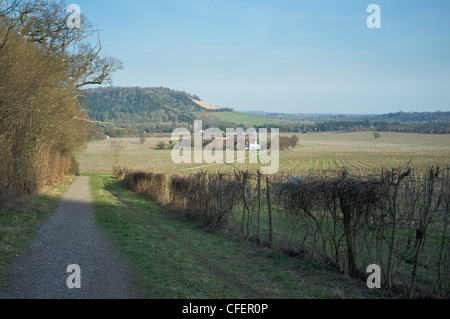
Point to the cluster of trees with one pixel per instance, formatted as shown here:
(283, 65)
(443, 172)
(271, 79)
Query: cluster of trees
(288, 142)
(44, 63)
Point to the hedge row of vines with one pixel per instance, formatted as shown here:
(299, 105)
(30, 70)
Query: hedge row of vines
(396, 220)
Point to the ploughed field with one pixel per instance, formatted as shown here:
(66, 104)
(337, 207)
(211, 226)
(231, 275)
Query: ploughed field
(316, 153)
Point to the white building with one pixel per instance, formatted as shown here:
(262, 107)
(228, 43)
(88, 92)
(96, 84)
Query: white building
(254, 147)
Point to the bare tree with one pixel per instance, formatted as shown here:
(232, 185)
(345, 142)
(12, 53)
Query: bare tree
(6, 23)
(117, 148)
(142, 137)
(45, 23)
(7, 6)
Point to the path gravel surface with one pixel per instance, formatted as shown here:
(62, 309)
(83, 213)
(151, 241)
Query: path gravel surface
(71, 236)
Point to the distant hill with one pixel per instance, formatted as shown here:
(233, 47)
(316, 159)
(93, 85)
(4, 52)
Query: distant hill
(127, 106)
(161, 110)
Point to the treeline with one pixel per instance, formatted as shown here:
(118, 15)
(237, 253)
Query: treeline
(415, 122)
(396, 220)
(329, 126)
(399, 117)
(43, 64)
(413, 117)
(366, 125)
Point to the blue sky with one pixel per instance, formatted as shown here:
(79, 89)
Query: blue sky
(292, 56)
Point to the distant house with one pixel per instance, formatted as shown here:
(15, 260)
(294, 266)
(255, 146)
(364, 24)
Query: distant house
(254, 147)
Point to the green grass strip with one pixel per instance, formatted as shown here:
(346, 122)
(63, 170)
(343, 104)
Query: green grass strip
(175, 258)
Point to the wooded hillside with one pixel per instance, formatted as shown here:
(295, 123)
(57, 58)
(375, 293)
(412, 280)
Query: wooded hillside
(134, 105)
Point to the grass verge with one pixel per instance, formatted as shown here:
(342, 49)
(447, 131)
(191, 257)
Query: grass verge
(175, 258)
(21, 219)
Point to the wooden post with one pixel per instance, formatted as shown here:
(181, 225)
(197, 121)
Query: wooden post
(244, 188)
(269, 203)
(259, 206)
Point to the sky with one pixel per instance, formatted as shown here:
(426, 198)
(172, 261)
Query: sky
(289, 56)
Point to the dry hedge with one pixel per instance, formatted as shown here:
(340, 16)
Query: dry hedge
(342, 222)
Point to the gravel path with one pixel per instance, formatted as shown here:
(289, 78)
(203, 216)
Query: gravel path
(69, 237)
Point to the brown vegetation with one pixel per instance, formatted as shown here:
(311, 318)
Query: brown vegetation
(43, 63)
(161, 145)
(395, 219)
(288, 142)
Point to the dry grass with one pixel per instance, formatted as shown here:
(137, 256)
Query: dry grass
(206, 105)
(21, 218)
